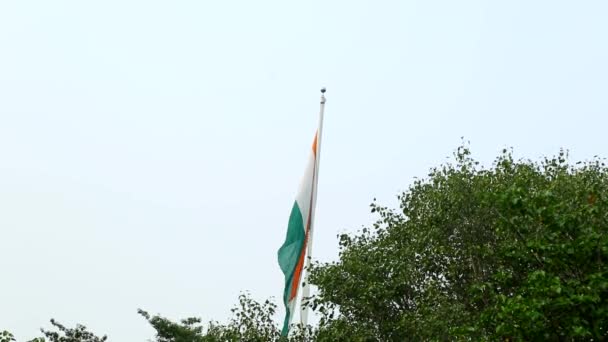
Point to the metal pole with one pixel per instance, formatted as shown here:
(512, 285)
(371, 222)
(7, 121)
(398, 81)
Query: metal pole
(306, 287)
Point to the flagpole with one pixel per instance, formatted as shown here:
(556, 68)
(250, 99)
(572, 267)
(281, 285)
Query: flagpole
(306, 287)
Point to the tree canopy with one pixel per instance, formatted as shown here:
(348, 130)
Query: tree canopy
(517, 251)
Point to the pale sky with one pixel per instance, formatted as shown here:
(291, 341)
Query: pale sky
(150, 151)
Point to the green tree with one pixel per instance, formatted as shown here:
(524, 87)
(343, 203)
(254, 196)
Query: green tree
(517, 251)
(63, 334)
(6, 336)
(251, 321)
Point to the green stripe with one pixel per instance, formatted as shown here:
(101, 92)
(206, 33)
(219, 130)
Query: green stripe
(288, 254)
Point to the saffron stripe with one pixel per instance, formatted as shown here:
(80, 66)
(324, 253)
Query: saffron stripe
(314, 145)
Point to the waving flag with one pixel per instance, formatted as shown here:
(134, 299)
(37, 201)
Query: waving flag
(298, 240)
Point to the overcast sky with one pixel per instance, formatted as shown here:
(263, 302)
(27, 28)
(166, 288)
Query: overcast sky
(150, 151)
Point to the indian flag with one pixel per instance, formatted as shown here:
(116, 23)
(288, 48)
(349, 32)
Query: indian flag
(292, 253)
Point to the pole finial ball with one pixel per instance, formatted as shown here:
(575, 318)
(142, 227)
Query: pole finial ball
(323, 90)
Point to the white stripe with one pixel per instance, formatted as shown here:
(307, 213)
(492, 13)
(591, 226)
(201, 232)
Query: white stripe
(304, 194)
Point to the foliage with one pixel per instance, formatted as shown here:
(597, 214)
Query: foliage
(6, 336)
(188, 329)
(63, 334)
(251, 321)
(517, 251)
(77, 334)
